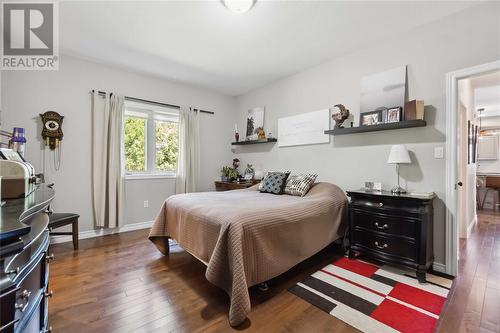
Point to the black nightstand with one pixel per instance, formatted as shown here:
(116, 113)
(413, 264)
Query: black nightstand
(395, 229)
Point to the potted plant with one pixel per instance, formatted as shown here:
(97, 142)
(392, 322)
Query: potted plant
(224, 174)
(233, 174)
(228, 174)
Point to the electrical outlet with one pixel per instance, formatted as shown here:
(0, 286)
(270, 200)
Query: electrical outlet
(439, 152)
(146, 203)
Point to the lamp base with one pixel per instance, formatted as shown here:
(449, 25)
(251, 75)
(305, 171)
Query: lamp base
(398, 190)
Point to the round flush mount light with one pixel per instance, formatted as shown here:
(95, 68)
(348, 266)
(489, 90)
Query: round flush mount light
(239, 6)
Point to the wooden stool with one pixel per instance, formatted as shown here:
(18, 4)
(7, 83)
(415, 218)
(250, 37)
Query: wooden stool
(57, 220)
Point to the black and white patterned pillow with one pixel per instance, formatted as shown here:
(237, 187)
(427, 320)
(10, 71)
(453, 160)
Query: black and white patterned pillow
(300, 184)
(274, 182)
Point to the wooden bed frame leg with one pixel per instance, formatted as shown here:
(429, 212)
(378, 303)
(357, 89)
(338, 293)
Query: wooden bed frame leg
(263, 286)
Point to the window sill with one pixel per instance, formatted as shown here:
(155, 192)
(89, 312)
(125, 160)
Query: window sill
(149, 176)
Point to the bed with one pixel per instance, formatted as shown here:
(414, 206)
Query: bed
(246, 237)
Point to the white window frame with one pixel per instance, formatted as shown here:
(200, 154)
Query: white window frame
(150, 113)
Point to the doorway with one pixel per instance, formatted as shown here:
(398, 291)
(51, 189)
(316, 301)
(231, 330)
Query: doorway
(462, 143)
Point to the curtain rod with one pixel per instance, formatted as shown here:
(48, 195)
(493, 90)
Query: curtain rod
(135, 99)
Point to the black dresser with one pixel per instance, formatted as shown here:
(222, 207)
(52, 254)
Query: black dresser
(24, 269)
(395, 229)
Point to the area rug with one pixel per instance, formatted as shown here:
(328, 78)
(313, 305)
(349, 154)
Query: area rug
(376, 298)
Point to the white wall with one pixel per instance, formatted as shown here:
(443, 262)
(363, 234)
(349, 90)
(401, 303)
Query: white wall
(462, 40)
(467, 171)
(25, 94)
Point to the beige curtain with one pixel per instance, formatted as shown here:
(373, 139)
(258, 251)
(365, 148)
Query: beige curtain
(188, 163)
(107, 159)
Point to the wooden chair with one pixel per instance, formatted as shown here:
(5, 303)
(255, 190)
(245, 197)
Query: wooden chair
(57, 220)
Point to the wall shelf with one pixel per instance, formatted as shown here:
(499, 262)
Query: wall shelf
(253, 142)
(376, 128)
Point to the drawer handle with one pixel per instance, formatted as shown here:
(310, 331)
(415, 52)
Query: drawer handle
(381, 204)
(50, 258)
(48, 294)
(25, 294)
(22, 307)
(381, 246)
(385, 226)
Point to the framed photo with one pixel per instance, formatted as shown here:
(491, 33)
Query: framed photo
(371, 118)
(469, 142)
(255, 123)
(373, 186)
(474, 149)
(394, 115)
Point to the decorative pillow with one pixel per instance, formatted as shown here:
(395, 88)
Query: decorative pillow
(300, 184)
(274, 182)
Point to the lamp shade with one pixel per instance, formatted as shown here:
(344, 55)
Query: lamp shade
(239, 6)
(399, 155)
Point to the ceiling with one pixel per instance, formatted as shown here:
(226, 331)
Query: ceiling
(487, 94)
(204, 44)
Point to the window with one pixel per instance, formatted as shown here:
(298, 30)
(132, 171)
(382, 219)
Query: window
(151, 140)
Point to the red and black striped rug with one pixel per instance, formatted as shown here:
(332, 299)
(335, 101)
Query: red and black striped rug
(376, 298)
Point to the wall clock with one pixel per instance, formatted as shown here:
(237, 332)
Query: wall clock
(52, 132)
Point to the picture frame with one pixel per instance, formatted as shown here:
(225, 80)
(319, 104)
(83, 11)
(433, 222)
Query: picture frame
(370, 118)
(394, 115)
(474, 148)
(469, 142)
(255, 123)
(373, 186)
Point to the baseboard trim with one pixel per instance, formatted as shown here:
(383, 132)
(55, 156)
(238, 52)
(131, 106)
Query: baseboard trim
(438, 267)
(102, 232)
(471, 225)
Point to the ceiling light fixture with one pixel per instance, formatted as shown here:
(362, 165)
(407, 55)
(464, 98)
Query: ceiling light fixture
(239, 6)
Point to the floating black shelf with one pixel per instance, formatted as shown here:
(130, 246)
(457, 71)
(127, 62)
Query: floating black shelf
(253, 142)
(379, 127)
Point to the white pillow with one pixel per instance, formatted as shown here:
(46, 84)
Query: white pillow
(299, 185)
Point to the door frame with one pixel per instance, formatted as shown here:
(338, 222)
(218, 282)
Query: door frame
(451, 194)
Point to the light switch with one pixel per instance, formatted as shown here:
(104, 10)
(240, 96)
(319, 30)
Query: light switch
(439, 152)
(146, 203)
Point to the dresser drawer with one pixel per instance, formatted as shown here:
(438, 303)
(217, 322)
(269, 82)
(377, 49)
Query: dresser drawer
(29, 288)
(396, 247)
(37, 240)
(387, 206)
(7, 310)
(391, 225)
(34, 322)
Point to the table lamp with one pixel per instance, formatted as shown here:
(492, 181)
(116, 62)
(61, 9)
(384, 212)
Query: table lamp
(399, 155)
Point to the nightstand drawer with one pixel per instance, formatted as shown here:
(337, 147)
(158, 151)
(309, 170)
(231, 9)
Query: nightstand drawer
(387, 207)
(385, 245)
(392, 225)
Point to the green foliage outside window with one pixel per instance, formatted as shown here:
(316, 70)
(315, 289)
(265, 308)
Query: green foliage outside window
(135, 144)
(163, 152)
(167, 145)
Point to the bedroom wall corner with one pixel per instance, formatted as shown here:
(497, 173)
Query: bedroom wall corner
(429, 51)
(25, 94)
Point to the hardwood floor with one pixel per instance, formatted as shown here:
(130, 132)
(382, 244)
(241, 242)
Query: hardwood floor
(121, 283)
(474, 305)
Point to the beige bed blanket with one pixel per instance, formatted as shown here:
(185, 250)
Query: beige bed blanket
(246, 237)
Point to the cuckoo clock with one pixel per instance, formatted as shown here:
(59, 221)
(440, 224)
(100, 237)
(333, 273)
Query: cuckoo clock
(52, 129)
